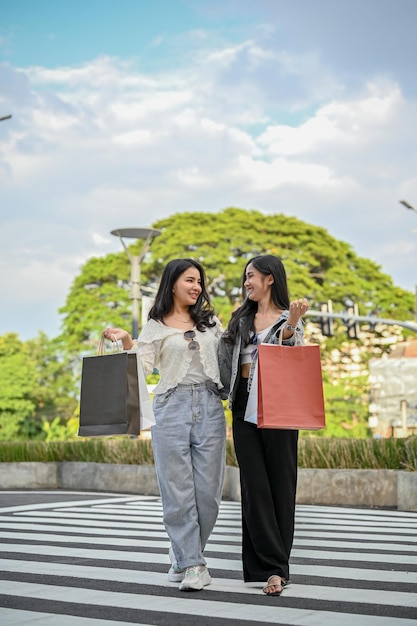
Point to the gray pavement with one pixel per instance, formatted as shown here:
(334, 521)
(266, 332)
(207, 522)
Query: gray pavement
(101, 559)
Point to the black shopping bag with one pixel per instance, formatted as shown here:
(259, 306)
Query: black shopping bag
(109, 402)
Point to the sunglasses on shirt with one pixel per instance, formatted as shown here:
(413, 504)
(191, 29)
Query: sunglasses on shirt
(193, 345)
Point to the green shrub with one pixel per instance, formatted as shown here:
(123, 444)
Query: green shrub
(398, 454)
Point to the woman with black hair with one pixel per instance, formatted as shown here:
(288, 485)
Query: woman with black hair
(267, 458)
(180, 339)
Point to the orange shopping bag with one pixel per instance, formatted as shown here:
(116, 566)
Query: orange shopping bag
(290, 387)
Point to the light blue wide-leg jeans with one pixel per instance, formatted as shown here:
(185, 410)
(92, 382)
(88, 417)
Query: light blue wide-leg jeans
(189, 442)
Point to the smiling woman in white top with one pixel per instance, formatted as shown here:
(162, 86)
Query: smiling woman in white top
(189, 437)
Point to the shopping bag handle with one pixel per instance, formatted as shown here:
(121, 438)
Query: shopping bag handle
(297, 336)
(100, 349)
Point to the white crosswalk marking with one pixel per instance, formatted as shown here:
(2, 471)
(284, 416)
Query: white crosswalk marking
(103, 561)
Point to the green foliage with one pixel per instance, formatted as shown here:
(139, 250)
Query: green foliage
(18, 388)
(99, 297)
(54, 378)
(40, 379)
(121, 450)
(396, 454)
(319, 267)
(346, 404)
(37, 387)
(57, 430)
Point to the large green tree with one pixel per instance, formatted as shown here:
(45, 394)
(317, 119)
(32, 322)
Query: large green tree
(319, 267)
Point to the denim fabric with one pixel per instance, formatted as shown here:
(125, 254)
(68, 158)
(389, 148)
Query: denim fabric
(189, 442)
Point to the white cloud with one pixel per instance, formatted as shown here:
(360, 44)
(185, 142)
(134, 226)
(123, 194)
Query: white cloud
(263, 176)
(99, 239)
(104, 145)
(348, 122)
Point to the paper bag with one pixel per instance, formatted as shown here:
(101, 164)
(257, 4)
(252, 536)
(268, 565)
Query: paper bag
(290, 387)
(109, 402)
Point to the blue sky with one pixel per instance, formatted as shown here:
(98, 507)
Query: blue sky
(128, 109)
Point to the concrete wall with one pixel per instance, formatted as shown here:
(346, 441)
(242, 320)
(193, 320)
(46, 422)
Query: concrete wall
(364, 488)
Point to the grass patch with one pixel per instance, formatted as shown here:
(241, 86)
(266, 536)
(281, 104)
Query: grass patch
(314, 453)
(396, 454)
(120, 450)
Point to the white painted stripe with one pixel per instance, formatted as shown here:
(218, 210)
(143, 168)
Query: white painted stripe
(101, 529)
(111, 554)
(350, 513)
(316, 592)
(109, 541)
(49, 492)
(117, 528)
(324, 571)
(121, 514)
(113, 541)
(355, 536)
(67, 518)
(199, 607)
(106, 555)
(375, 525)
(17, 617)
(352, 556)
(234, 548)
(130, 528)
(382, 543)
(154, 509)
(357, 545)
(82, 520)
(54, 505)
(303, 509)
(150, 503)
(94, 516)
(234, 524)
(341, 510)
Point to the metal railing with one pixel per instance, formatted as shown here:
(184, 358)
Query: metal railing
(351, 320)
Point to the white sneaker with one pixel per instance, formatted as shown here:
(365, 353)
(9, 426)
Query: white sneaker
(175, 574)
(196, 577)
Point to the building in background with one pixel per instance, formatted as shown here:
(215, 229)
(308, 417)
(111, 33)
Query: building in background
(393, 392)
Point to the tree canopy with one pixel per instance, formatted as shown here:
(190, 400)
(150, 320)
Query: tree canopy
(40, 378)
(319, 267)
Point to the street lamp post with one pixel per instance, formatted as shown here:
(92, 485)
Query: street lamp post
(147, 234)
(410, 207)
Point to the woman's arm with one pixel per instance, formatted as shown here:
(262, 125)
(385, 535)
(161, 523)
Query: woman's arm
(146, 351)
(119, 334)
(296, 310)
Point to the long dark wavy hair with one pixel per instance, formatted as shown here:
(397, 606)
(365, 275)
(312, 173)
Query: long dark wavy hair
(242, 321)
(201, 312)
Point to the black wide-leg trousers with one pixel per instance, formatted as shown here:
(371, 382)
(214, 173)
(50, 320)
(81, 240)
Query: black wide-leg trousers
(268, 460)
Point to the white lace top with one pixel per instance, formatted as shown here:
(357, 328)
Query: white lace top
(166, 349)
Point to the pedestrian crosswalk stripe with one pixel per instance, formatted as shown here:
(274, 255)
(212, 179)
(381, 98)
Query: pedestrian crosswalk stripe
(336, 594)
(86, 560)
(172, 605)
